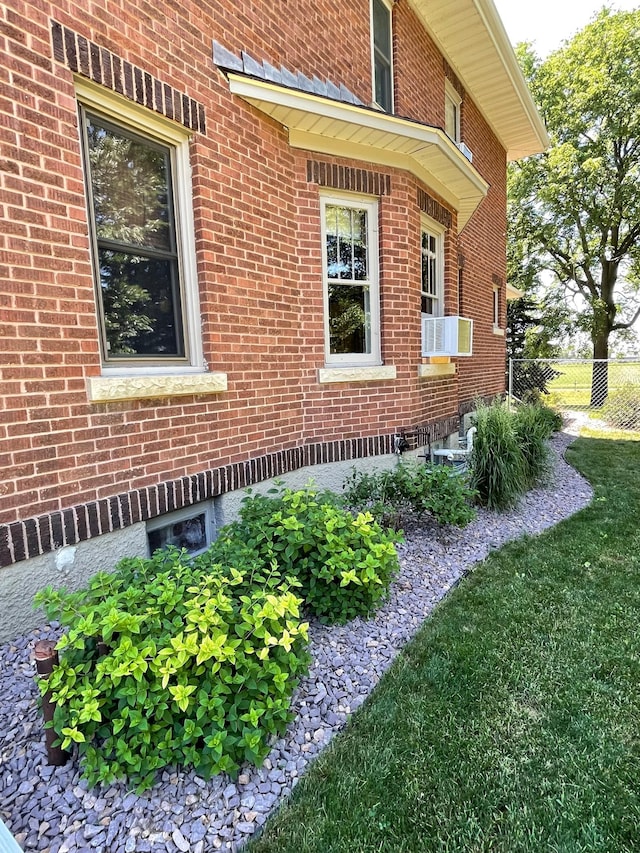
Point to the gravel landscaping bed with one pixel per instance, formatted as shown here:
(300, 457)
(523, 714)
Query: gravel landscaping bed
(50, 809)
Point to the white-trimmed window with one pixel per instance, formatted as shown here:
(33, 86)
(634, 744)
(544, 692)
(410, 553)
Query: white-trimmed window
(138, 184)
(452, 105)
(496, 306)
(350, 274)
(432, 268)
(192, 528)
(382, 54)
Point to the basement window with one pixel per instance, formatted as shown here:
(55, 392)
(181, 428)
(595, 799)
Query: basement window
(192, 528)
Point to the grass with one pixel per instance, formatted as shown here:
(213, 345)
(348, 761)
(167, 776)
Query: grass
(572, 388)
(612, 434)
(510, 723)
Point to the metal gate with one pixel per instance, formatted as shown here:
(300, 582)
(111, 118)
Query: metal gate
(604, 390)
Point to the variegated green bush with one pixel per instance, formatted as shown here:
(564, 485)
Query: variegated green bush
(171, 660)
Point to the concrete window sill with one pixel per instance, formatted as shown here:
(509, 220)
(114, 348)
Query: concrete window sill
(106, 389)
(357, 374)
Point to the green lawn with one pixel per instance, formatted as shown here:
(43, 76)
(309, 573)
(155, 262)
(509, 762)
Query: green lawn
(572, 388)
(512, 721)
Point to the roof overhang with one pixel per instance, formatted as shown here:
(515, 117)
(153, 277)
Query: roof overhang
(473, 39)
(332, 127)
(514, 292)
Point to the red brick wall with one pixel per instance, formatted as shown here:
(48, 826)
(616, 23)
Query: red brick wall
(257, 250)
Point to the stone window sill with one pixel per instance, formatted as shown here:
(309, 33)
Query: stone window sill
(435, 371)
(356, 374)
(106, 389)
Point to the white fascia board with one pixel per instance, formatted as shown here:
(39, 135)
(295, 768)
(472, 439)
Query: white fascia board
(320, 124)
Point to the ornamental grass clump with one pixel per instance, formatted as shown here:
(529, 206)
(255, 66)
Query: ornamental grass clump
(532, 429)
(174, 661)
(498, 466)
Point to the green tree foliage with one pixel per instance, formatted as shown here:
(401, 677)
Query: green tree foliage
(527, 340)
(574, 211)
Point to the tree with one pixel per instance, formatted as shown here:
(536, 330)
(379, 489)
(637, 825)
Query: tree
(574, 211)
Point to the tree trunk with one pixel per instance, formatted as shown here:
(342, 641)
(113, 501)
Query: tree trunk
(600, 376)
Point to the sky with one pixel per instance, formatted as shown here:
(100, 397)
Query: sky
(548, 23)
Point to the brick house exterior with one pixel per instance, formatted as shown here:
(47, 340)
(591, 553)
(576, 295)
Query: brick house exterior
(265, 123)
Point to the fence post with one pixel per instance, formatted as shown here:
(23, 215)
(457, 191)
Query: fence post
(46, 659)
(510, 398)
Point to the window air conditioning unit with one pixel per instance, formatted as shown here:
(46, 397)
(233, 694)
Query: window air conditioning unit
(466, 151)
(447, 336)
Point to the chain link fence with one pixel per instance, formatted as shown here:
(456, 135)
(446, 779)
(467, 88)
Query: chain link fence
(603, 392)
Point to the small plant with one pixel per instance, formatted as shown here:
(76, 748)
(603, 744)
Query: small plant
(498, 465)
(410, 488)
(622, 407)
(343, 563)
(200, 665)
(551, 417)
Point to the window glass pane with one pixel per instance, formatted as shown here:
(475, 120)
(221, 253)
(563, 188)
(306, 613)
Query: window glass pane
(345, 245)
(431, 285)
(450, 122)
(427, 304)
(331, 228)
(382, 29)
(140, 304)
(382, 51)
(382, 72)
(190, 533)
(346, 235)
(130, 188)
(349, 319)
(360, 256)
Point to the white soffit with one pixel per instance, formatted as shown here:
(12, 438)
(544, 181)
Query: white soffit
(332, 127)
(472, 37)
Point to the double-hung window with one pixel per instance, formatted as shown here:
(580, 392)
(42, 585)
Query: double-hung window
(452, 105)
(350, 272)
(432, 271)
(382, 54)
(496, 306)
(138, 189)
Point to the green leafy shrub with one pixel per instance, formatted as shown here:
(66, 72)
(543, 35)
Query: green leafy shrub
(532, 428)
(411, 488)
(200, 665)
(551, 417)
(344, 563)
(498, 466)
(622, 407)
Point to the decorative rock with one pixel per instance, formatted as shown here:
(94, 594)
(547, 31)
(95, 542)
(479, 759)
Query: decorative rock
(180, 841)
(51, 809)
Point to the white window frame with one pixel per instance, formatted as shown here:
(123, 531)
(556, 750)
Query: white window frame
(436, 230)
(168, 519)
(496, 306)
(452, 97)
(142, 121)
(373, 266)
(389, 7)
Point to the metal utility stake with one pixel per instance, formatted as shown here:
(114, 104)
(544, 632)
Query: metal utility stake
(46, 659)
